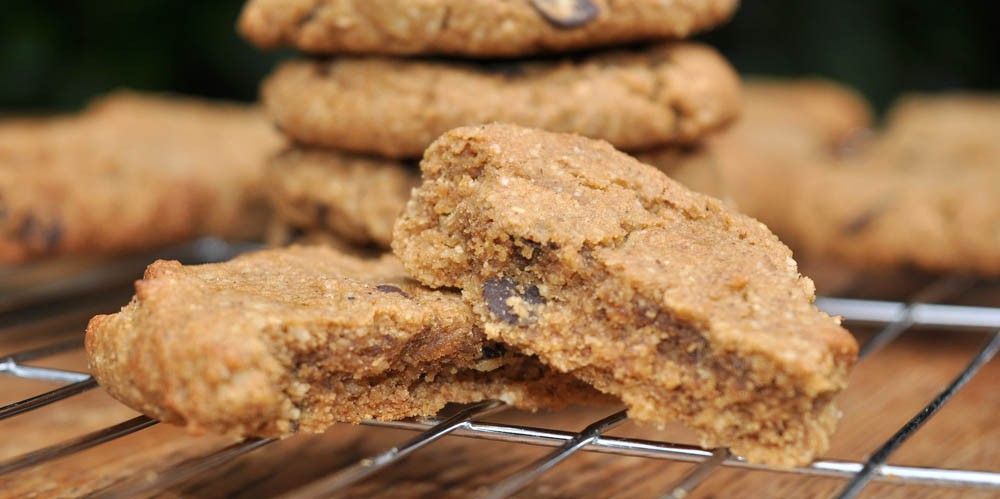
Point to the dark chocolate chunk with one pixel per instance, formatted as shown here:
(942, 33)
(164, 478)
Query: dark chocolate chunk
(322, 213)
(323, 68)
(493, 351)
(567, 14)
(389, 288)
(307, 17)
(525, 250)
(28, 228)
(295, 233)
(497, 291)
(53, 236)
(865, 218)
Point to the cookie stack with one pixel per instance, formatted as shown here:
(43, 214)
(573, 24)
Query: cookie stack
(403, 73)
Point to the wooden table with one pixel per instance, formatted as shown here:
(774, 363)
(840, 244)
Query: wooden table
(886, 390)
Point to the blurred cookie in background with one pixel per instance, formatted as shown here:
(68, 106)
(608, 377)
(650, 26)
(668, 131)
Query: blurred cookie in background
(868, 207)
(132, 172)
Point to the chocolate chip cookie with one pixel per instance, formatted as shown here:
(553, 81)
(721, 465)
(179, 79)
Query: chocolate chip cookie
(942, 132)
(131, 172)
(354, 198)
(472, 27)
(920, 180)
(638, 99)
(607, 269)
(297, 339)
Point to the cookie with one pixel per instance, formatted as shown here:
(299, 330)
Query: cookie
(863, 210)
(395, 108)
(785, 125)
(471, 28)
(131, 172)
(297, 339)
(942, 131)
(833, 115)
(354, 198)
(942, 221)
(607, 269)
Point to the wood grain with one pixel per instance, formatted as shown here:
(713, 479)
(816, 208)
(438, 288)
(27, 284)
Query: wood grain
(885, 391)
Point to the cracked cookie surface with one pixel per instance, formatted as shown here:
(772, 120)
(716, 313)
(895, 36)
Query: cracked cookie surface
(638, 99)
(95, 183)
(299, 338)
(472, 27)
(607, 269)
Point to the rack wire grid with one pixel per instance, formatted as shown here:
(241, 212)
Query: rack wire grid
(894, 318)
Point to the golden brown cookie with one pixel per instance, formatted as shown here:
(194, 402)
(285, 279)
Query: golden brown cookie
(674, 93)
(942, 132)
(297, 339)
(901, 199)
(131, 172)
(607, 269)
(472, 27)
(354, 198)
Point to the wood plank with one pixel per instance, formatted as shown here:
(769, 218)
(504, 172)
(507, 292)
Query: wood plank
(885, 391)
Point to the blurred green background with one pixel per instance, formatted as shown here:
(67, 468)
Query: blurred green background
(56, 54)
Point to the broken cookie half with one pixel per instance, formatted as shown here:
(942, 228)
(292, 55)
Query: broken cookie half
(605, 268)
(297, 339)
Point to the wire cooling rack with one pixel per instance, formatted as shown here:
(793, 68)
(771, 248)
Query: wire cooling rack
(894, 318)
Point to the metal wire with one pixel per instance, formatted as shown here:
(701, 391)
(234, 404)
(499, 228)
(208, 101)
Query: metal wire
(521, 479)
(11, 366)
(696, 476)
(76, 445)
(934, 292)
(895, 316)
(688, 453)
(951, 317)
(366, 467)
(878, 459)
(46, 398)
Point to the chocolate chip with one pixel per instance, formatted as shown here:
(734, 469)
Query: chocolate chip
(493, 351)
(533, 296)
(295, 233)
(307, 17)
(389, 288)
(324, 68)
(865, 219)
(53, 236)
(322, 213)
(28, 228)
(524, 251)
(567, 14)
(497, 291)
